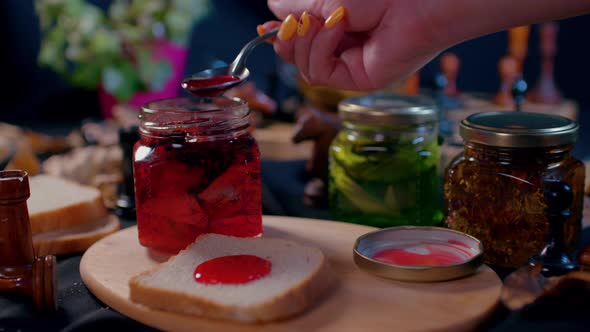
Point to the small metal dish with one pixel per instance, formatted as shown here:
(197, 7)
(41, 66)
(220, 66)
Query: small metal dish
(419, 240)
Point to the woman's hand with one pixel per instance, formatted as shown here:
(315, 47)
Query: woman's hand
(353, 45)
(367, 44)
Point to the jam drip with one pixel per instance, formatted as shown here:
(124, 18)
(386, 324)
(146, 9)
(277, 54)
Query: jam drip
(236, 269)
(210, 87)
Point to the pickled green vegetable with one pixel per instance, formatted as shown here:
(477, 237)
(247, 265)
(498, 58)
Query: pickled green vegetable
(393, 181)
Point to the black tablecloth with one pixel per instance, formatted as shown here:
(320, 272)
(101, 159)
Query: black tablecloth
(79, 310)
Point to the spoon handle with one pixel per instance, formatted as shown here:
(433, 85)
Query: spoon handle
(240, 60)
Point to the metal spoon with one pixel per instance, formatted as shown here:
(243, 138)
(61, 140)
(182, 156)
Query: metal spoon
(236, 69)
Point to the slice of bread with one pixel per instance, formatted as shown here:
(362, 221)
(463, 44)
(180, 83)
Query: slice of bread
(298, 277)
(58, 204)
(74, 240)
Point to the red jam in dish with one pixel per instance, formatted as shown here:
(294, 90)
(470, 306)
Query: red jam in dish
(209, 87)
(422, 255)
(458, 243)
(236, 269)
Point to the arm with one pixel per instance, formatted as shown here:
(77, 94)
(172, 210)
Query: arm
(379, 41)
(459, 20)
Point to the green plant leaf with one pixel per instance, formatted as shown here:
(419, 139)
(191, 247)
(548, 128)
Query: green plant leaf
(154, 74)
(75, 7)
(118, 11)
(162, 72)
(177, 26)
(52, 49)
(122, 81)
(86, 76)
(85, 45)
(105, 43)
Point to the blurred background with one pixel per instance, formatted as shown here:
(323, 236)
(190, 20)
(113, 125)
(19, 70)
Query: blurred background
(75, 73)
(68, 62)
(58, 53)
(62, 56)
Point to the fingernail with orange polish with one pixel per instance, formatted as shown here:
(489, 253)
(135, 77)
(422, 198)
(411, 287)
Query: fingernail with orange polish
(303, 25)
(288, 28)
(260, 29)
(335, 17)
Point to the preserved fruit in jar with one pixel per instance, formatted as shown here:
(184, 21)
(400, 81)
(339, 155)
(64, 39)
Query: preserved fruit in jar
(196, 170)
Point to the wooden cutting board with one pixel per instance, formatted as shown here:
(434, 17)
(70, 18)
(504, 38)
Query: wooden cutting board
(360, 301)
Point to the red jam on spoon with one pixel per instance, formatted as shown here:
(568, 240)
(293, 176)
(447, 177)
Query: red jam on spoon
(211, 86)
(236, 269)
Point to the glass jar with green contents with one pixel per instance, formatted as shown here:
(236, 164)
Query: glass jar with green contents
(384, 162)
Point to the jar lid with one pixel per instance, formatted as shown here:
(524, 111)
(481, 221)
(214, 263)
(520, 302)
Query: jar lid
(519, 129)
(418, 253)
(387, 109)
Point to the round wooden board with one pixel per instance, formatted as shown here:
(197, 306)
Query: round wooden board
(359, 302)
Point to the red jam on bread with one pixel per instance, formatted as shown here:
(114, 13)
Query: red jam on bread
(236, 269)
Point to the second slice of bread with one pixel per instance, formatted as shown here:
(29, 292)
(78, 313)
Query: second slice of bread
(299, 275)
(74, 240)
(57, 204)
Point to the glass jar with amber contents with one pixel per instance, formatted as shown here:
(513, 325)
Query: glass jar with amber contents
(196, 170)
(494, 190)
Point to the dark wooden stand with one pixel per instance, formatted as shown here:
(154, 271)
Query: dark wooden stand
(21, 272)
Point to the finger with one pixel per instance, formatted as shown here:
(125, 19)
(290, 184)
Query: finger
(321, 53)
(266, 27)
(304, 77)
(365, 16)
(284, 51)
(284, 44)
(336, 58)
(361, 68)
(307, 29)
(350, 71)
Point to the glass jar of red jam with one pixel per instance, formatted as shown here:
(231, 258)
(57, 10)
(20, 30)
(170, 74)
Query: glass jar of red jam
(196, 170)
(494, 190)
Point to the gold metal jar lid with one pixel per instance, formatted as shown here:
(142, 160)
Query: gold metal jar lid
(519, 129)
(387, 109)
(418, 241)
